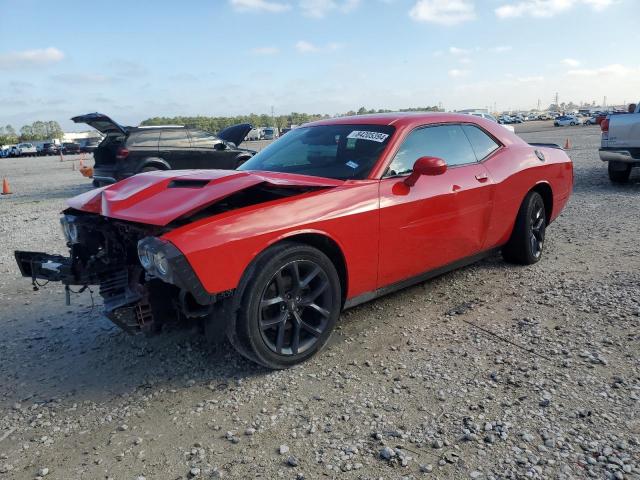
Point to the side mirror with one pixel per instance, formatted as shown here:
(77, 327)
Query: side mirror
(431, 166)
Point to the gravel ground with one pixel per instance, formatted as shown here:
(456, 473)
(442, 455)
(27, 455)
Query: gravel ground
(492, 371)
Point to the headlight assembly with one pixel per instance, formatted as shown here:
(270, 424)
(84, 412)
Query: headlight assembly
(69, 228)
(153, 258)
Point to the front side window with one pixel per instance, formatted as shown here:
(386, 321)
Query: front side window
(332, 151)
(483, 145)
(443, 141)
(202, 139)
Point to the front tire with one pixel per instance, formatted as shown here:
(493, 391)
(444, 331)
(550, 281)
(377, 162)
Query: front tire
(619, 173)
(527, 239)
(289, 306)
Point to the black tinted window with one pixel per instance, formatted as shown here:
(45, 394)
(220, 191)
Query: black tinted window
(200, 138)
(145, 139)
(483, 145)
(174, 138)
(443, 141)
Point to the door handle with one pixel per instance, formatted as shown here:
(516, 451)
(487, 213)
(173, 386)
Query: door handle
(482, 177)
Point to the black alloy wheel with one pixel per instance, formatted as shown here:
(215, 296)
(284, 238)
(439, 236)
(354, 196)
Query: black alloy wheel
(295, 308)
(537, 227)
(289, 301)
(527, 238)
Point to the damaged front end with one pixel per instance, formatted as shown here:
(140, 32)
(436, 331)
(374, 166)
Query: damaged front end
(144, 281)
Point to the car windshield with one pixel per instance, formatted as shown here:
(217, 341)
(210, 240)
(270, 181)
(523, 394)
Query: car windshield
(332, 151)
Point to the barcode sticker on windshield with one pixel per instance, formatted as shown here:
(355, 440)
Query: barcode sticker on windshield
(364, 135)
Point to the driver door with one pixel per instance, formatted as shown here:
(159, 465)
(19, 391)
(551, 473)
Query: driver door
(441, 219)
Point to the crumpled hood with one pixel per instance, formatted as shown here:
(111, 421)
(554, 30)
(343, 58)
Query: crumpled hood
(158, 198)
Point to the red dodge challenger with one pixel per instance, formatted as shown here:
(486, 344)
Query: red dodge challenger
(333, 214)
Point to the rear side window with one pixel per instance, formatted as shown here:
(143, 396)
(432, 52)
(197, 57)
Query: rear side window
(483, 145)
(174, 138)
(443, 141)
(144, 139)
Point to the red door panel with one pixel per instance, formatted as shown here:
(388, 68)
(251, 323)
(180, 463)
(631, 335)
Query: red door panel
(436, 222)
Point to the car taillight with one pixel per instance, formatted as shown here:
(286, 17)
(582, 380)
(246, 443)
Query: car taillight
(122, 153)
(604, 125)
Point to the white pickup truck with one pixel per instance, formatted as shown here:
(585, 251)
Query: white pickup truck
(620, 144)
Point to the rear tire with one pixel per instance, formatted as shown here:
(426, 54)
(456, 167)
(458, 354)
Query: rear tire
(289, 305)
(619, 173)
(527, 239)
(149, 169)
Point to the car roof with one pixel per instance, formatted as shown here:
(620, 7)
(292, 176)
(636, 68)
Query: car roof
(398, 119)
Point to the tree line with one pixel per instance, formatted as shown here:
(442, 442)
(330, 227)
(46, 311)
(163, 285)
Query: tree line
(215, 124)
(37, 131)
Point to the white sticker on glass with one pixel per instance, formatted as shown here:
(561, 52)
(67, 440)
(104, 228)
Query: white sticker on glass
(365, 135)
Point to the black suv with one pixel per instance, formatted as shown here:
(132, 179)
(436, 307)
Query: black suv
(126, 151)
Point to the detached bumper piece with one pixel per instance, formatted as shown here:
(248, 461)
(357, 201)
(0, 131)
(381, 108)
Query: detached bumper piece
(44, 266)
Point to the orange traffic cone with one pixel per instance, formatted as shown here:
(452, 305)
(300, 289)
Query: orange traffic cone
(6, 190)
(567, 144)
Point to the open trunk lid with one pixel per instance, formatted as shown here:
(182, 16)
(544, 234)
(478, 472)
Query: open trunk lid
(102, 123)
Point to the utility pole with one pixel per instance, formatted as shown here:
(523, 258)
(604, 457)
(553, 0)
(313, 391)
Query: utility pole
(538, 104)
(556, 101)
(273, 118)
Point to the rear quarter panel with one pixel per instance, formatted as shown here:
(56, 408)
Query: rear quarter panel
(220, 248)
(517, 170)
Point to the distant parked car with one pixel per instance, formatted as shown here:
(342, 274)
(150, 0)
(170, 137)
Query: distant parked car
(90, 146)
(284, 130)
(25, 150)
(269, 133)
(490, 117)
(126, 151)
(70, 148)
(4, 152)
(505, 119)
(50, 149)
(565, 120)
(590, 121)
(254, 134)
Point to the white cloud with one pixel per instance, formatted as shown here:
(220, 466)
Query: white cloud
(613, 70)
(30, 58)
(259, 6)
(443, 12)
(501, 49)
(546, 8)
(320, 8)
(459, 51)
(532, 79)
(265, 50)
(571, 62)
(307, 47)
(456, 73)
(82, 79)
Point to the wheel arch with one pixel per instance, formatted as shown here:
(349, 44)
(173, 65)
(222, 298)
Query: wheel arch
(156, 162)
(545, 191)
(327, 245)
